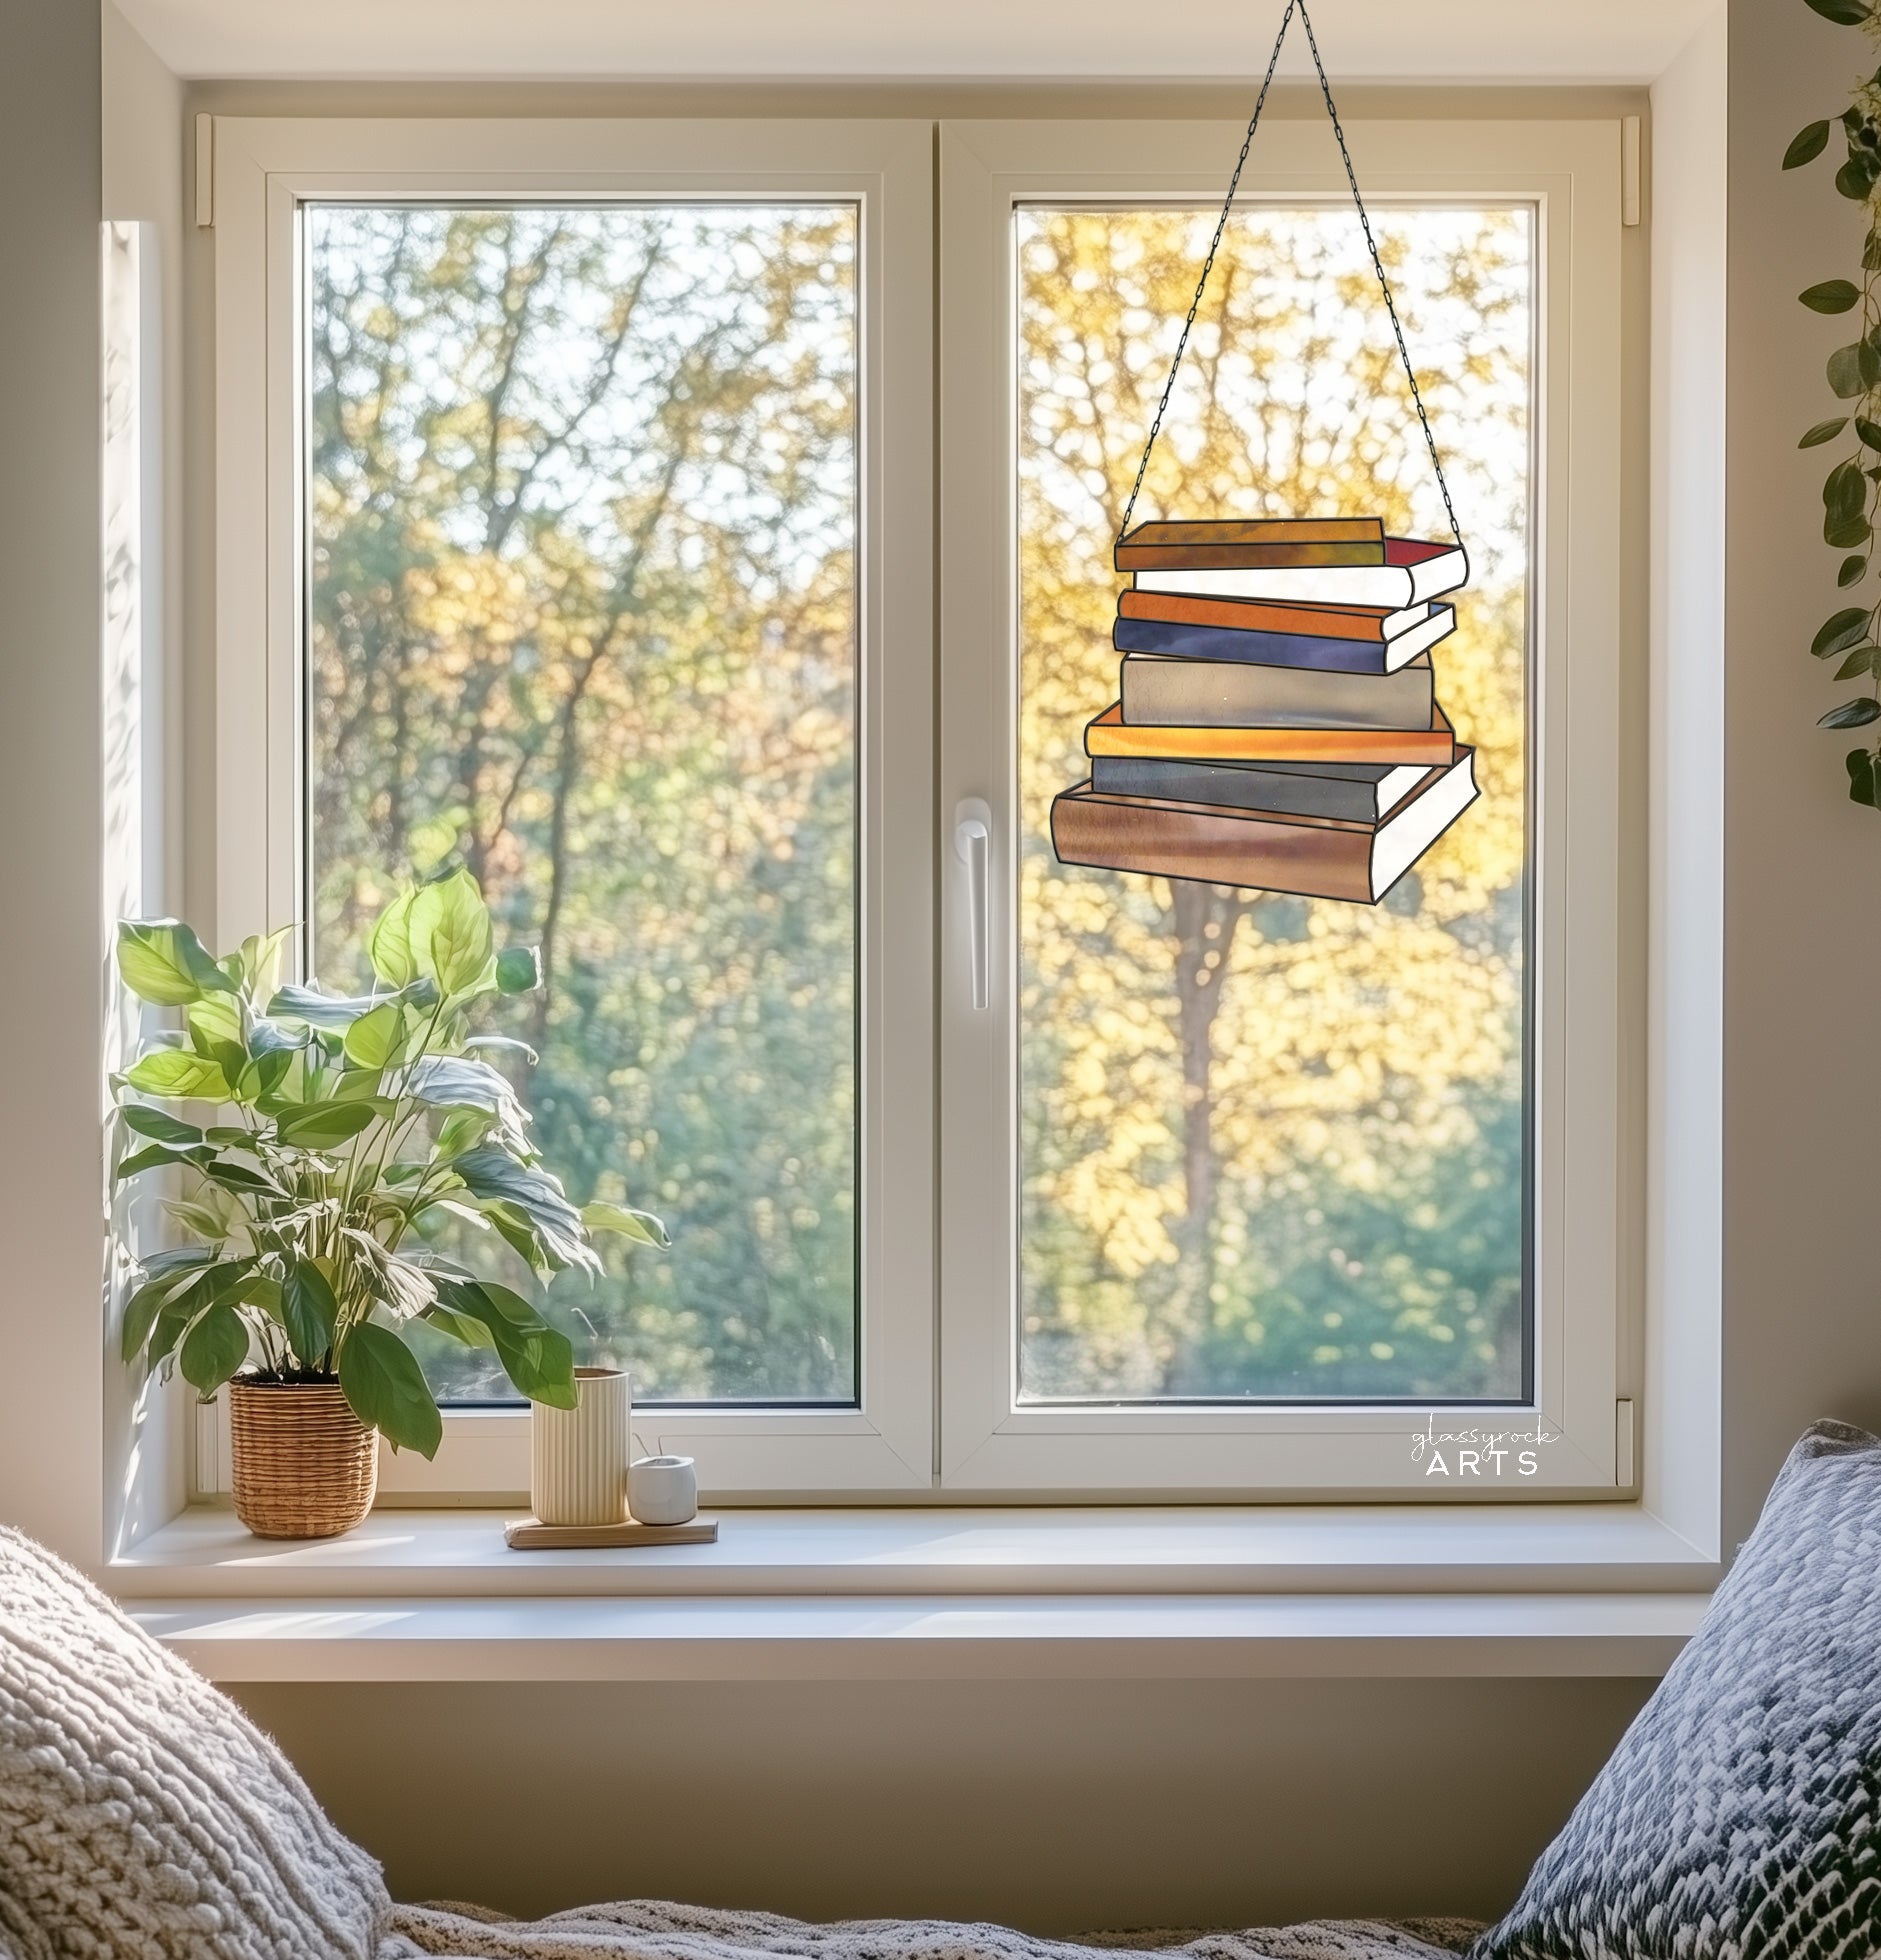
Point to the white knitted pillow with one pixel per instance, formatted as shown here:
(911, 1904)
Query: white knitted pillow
(142, 1815)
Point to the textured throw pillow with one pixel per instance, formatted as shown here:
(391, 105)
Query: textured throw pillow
(1740, 1817)
(141, 1813)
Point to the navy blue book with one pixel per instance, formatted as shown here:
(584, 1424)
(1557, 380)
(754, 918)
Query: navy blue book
(1329, 654)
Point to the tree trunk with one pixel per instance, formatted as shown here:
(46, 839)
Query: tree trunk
(1205, 919)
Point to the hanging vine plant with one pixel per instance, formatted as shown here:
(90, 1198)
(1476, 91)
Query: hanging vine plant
(1852, 635)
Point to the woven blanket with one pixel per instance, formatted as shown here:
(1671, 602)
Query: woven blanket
(641, 1929)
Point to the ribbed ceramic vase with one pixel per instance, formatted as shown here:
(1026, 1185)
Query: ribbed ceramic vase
(578, 1456)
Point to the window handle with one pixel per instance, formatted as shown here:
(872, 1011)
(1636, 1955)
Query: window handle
(973, 833)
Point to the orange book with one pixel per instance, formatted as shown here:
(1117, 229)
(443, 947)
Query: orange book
(1431, 748)
(1371, 623)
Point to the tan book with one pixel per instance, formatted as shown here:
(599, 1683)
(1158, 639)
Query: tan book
(1431, 748)
(1242, 544)
(1314, 857)
(1157, 690)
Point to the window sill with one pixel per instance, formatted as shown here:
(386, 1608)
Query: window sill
(942, 1638)
(1195, 1591)
(204, 1553)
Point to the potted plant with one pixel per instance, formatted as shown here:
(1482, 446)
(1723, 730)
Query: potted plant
(340, 1129)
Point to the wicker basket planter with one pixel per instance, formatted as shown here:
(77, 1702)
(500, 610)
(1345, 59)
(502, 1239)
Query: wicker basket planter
(305, 1466)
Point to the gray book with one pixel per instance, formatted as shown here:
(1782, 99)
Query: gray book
(1355, 792)
(1159, 692)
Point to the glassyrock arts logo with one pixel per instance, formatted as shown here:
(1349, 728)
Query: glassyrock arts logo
(1478, 1455)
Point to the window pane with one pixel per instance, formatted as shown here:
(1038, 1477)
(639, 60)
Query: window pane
(1273, 1146)
(582, 614)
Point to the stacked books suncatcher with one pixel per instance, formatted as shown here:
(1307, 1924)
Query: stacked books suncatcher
(1277, 724)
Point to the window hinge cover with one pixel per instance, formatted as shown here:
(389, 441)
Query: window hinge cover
(212, 1446)
(205, 170)
(1625, 1466)
(1629, 171)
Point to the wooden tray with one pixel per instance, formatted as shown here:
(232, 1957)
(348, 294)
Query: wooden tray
(526, 1535)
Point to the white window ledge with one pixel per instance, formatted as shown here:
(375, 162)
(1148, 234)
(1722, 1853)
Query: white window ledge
(1570, 1548)
(1200, 1592)
(1016, 1638)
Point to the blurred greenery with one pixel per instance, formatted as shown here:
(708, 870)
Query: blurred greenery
(583, 616)
(1272, 1146)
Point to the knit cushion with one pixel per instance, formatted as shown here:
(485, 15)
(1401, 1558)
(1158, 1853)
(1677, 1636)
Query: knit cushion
(1740, 1817)
(142, 1815)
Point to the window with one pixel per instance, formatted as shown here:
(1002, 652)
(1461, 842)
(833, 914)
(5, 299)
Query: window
(582, 615)
(580, 490)
(1242, 1191)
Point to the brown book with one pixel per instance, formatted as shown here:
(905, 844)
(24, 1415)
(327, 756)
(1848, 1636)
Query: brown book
(1315, 857)
(1240, 544)
(1368, 623)
(1431, 748)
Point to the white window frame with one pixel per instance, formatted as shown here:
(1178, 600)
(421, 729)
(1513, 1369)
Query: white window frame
(1587, 994)
(938, 1414)
(263, 170)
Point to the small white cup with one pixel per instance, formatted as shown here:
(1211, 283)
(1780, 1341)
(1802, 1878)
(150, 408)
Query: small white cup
(663, 1490)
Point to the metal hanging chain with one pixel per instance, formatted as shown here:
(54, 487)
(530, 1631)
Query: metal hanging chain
(1371, 243)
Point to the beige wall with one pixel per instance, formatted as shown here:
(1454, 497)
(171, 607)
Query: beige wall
(1802, 865)
(1053, 1805)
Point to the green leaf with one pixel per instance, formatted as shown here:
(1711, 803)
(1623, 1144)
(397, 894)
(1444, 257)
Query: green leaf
(386, 1390)
(1840, 630)
(518, 970)
(459, 1326)
(1807, 145)
(260, 957)
(1871, 253)
(158, 1123)
(377, 1040)
(163, 962)
(260, 1078)
(1869, 432)
(323, 1125)
(1845, 13)
(180, 1074)
(266, 1037)
(1861, 661)
(175, 1315)
(462, 1082)
(537, 1358)
(389, 946)
(506, 1044)
(180, 1268)
(243, 1178)
(150, 1158)
(1824, 432)
(213, 1349)
(1831, 296)
(450, 932)
(1845, 376)
(1844, 489)
(336, 1013)
(1846, 533)
(1852, 714)
(1856, 178)
(554, 1223)
(308, 1311)
(640, 1226)
(1863, 786)
(1851, 570)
